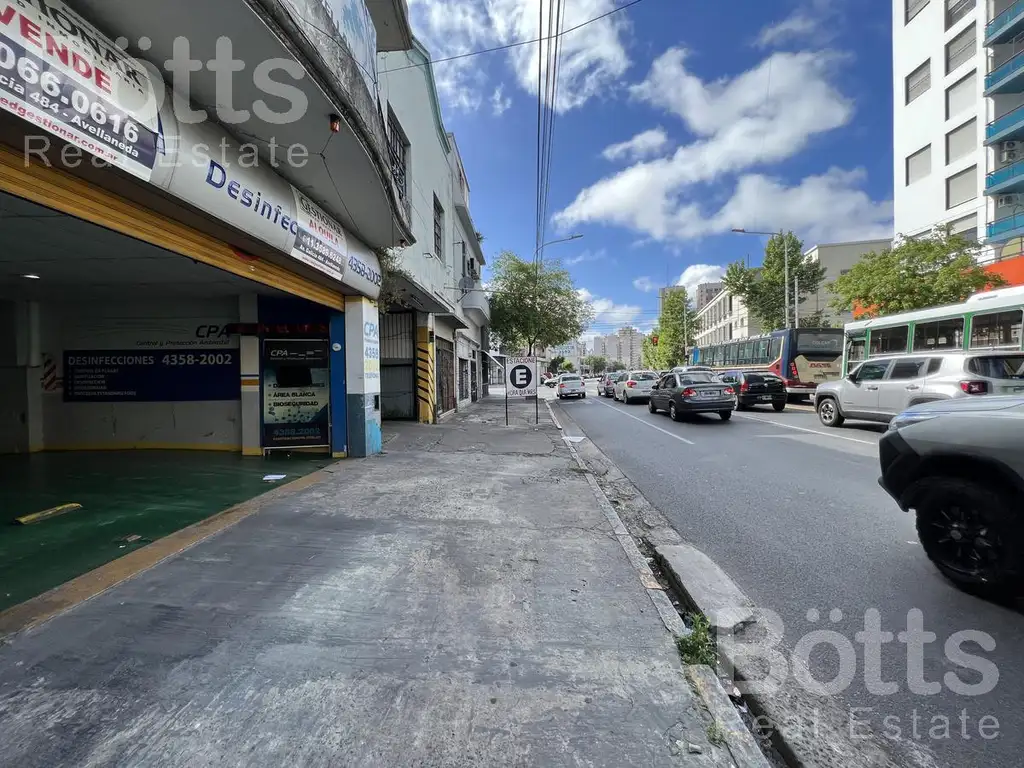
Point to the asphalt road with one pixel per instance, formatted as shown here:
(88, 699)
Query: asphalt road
(793, 513)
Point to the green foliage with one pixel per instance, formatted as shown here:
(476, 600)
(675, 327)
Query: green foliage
(763, 289)
(534, 306)
(596, 363)
(929, 271)
(555, 363)
(392, 273)
(616, 365)
(651, 353)
(699, 646)
(678, 325)
(567, 367)
(819, 319)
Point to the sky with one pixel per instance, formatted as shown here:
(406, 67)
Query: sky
(675, 121)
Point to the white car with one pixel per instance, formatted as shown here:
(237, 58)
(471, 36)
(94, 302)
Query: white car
(570, 385)
(635, 386)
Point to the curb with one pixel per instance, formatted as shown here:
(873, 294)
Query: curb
(739, 741)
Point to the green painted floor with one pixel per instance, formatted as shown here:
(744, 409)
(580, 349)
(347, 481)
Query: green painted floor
(148, 494)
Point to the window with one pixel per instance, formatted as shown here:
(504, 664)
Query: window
(919, 165)
(957, 9)
(855, 350)
(919, 81)
(438, 229)
(996, 329)
(762, 351)
(961, 95)
(962, 141)
(962, 187)
(887, 340)
(967, 228)
(942, 334)
(872, 371)
(997, 366)
(934, 365)
(776, 349)
(914, 7)
(398, 154)
(961, 49)
(907, 368)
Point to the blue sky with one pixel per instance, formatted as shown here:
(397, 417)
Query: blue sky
(676, 121)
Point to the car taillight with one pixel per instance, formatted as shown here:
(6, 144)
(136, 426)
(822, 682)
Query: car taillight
(689, 392)
(561, 386)
(974, 387)
(730, 391)
(744, 387)
(630, 384)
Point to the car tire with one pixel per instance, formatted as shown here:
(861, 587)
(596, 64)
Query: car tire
(828, 412)
(651, 406)
(725, 415)
(584, 394)
(778, 407)
(673, 412)
(939, 497)
(626, 400)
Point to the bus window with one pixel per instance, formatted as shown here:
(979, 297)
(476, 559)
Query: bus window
(998, 329)
(888, 340)
(942, 334)
(762, 352)
(775, 351)
(747, 354)
(855, 350)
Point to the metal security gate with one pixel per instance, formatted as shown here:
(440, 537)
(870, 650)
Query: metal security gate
(398, 365)
(445, 375)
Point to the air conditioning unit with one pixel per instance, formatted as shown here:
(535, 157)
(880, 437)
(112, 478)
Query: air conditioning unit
(1010, 151)
(1004, 201)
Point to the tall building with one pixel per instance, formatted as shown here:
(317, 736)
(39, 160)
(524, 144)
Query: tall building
(837, 259)
(705, 293)
(631, 346)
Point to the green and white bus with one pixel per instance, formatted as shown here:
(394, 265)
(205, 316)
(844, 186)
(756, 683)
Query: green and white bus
(989, 320)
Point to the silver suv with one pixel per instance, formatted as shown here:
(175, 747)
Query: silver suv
(882, 387)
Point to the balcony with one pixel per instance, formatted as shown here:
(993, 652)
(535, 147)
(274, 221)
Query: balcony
(1006, 180)
(1008, 77)
(1006, 25)
(1006, 127)
(1006, 228)
(476, 306)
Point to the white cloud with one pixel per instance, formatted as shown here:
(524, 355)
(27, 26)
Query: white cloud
(593, 58)
(586, 256)
(812, 21)
(646, 144)
(607, 313)
(695, 274)
(645, 284)
(740, 123)
(499, 101)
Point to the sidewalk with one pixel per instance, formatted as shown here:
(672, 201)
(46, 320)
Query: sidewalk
(460, 600)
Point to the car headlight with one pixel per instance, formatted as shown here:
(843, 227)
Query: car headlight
(910, 417)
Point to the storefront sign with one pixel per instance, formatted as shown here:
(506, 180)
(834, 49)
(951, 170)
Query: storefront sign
(60, 74)
(320, 241)
(165, 376)
(296, 393)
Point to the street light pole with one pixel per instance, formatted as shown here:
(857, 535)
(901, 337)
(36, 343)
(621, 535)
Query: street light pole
(785, 259)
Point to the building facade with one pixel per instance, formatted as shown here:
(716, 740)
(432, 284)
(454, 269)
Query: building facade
(705, 293)
(837, 259)
(573, 351)
(723, 318)
(433, 361)
(168, 282)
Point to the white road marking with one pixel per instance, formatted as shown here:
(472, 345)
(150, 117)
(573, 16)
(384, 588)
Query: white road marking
(805, 429)
(648, 424)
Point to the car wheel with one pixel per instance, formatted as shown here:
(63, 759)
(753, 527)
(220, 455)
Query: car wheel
(673, 412)
(726, 415)
(651, 406)
(828, 413)
(584, 394)
(625, 398)
(779, 407)
(970, 533)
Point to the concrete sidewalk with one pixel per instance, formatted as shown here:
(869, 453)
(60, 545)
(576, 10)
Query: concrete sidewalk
(460, 600)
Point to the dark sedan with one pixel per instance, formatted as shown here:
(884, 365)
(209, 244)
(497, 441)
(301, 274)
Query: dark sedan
(694, 392)
(606, 386)
(757, 388)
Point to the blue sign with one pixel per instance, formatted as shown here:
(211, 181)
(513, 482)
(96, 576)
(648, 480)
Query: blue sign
(151, 376)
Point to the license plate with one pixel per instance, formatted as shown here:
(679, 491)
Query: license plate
(709, 393)
(765, 397)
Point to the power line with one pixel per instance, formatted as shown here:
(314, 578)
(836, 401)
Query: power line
(513, 45)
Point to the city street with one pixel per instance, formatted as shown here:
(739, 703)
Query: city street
(793, 513)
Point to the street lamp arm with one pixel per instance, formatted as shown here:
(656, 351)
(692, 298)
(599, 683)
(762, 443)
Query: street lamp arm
(554, 242)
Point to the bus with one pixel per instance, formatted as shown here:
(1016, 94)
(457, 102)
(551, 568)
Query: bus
(987, 320)
(802, 357)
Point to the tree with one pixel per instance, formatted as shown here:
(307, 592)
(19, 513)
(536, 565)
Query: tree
(940, 268)
(535, 305)
(596, 363)
(678, 326)
(652, 351)
(555, 363)
(567, 367)
(616, 365)
(819, 319)
(763, 289)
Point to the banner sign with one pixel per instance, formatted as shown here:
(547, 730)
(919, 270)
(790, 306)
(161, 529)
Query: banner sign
(166, 376)
(521, 376)
(296, 393)
(319, 240)
(61, 74)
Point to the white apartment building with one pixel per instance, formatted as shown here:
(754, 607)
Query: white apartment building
(631, 347)
(572, 351)
(723, 318)
(706, 292)
(958, 126)
(838, 259)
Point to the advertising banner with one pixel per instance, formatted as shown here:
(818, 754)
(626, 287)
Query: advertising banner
(296, 393)
(521, 377)
(62, 75)
(141, 376)
(320, 241)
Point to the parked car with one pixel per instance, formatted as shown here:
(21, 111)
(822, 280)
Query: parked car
(606, 386)
(694, 392)
(958, 465)
(881, 387)
(571, 385)
(635, 385)
(550, 381)
(756, 388)
(688, 368)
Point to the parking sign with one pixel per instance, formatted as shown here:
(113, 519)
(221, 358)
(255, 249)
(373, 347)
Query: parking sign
(521, 376)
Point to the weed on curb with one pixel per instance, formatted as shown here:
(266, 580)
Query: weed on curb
(698, 647)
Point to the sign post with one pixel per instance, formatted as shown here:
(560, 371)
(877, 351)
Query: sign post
(520, 379)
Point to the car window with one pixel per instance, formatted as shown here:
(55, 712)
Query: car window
(667, 382)
(907, 368)
(872, 370)
(934, 365)
(698, 377)
(644, 376)
(569, 377)
(997, 366)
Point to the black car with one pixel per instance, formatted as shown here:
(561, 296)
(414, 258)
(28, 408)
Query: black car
(757, 388)
(695, 392)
